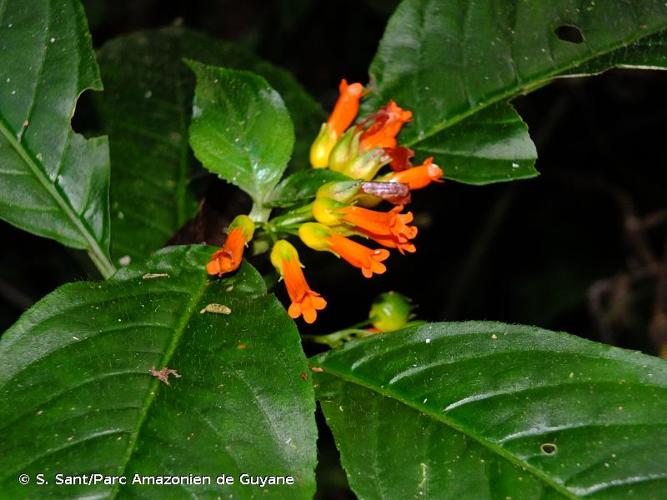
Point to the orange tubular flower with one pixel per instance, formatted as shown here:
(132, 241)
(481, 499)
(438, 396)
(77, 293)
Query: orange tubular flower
(389, 225)
(387, 124)
(347, 106)
(418, 177)
(390, 229)
(320, 237)
(389, 242)
(305, 302)
(342, 116)
(229, 257)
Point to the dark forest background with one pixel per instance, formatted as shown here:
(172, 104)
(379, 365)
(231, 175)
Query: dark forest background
(582, 248)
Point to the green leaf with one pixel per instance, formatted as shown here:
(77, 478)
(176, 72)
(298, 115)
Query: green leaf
(78, 396)
(306, 113)
(472, 152)
(240, 129)
(146, 108)
(302, 186)
(647, 53)
(53, 182)
(448, 60)
(488, 410)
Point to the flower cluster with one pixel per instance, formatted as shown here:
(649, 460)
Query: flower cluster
(346, 209)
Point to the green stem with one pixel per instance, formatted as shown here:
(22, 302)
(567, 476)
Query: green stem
(259, 213)
(336, 339)
(103, 264)
(294, 217)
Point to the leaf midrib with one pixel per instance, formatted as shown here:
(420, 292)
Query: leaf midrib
(538, 81)
(463, 429)
(95, 251)
(155, 384)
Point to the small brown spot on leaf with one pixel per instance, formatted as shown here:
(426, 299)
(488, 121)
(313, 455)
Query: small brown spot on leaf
(304, 376)
(216, 309)
(241, 346)
(163, 375)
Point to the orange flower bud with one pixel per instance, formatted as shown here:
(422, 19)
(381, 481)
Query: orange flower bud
(347, 106)
(229, 257)
(418, 177)
(305, 302)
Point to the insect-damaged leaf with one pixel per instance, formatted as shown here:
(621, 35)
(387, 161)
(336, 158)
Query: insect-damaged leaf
(53, 182)
(455, 63)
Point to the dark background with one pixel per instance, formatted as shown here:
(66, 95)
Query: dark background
(580, 248)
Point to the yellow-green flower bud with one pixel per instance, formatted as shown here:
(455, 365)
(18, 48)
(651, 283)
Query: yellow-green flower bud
(390, 311)
(342, 191)
(326, 211)
(315, 235)
(282, 251)
(322, 146)
(345, 151)
(367, 165)
(246, 225)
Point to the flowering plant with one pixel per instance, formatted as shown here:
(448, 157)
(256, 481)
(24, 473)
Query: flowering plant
(213, 326)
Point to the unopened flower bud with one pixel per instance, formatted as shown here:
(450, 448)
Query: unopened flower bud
(390, 311)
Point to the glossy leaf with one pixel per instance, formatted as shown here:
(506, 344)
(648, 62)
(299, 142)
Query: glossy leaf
(489, 410)
(240, 129)
(647, 53)
(53, 182)
(472, 151)
(146, 107)
(78, 396)
(301, 186)
(449, 60)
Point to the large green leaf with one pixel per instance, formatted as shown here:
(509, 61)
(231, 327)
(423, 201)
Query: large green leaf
(240, 129)
(146, 108)
(53, 182)
(78, 397)
(490, 146)
(448, 60)
(488, 410)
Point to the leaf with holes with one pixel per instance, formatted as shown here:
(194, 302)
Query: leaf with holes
(454, 64)
(488, 410)
(53, 182)
(81, 394)
(146, 108)
(240, 129)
